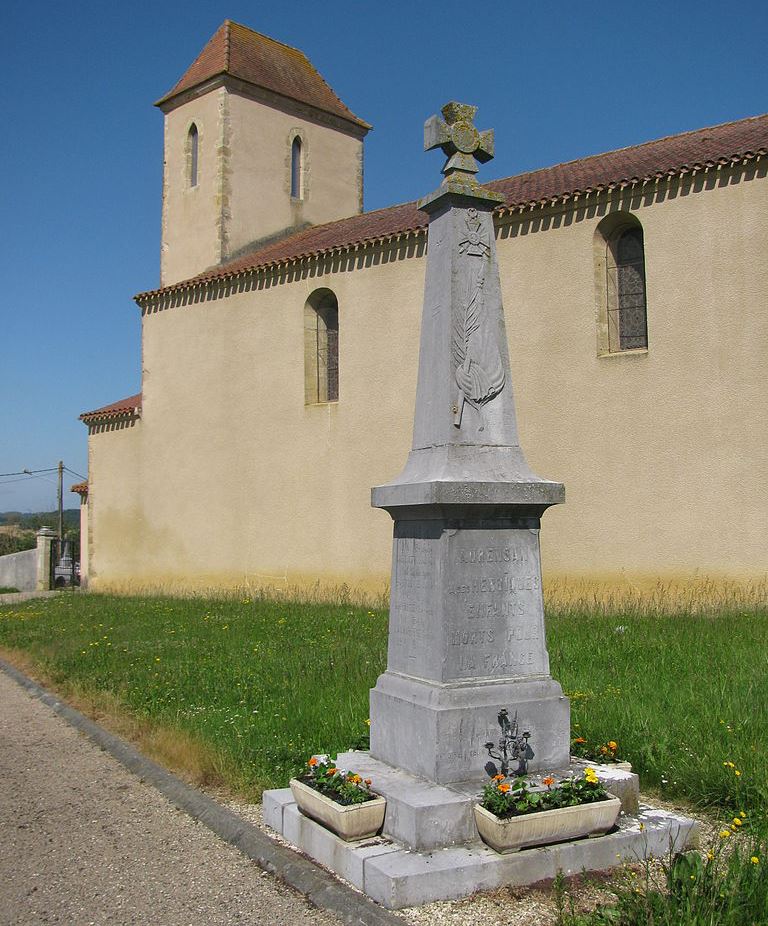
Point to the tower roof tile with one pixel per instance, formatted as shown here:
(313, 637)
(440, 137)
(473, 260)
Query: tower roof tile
(257, 59)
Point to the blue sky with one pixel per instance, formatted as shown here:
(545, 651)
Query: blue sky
(82, 155)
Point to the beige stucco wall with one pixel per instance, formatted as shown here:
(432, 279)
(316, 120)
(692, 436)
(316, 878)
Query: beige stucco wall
(191, 221)
(662, 453)
(259, 172)
(115, 539)
(244, 177)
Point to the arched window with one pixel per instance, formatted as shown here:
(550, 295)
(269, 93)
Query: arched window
(193, 140)
(296, 168)
(621, 292)
(630, 326)
(321, 347)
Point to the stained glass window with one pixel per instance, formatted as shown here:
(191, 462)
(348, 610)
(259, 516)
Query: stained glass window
(627, 312)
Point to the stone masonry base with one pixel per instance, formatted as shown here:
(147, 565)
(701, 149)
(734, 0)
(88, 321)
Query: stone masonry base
(396, 875)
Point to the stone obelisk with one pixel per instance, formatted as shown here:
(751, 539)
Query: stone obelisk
(466, 629)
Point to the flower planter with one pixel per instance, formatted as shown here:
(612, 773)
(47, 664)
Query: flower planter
(354, 821)
(546, 826)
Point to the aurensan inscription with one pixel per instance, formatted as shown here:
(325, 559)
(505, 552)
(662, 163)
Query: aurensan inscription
(489, 555)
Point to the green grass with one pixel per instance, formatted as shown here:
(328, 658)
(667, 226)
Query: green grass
(265, 683)
(681, 693)
(7, 589)
(259, 685)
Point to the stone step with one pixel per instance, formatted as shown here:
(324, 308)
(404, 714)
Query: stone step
(397, 877)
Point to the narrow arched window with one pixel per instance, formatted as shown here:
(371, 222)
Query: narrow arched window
(627, 309)
(296, 171)
(321, 347)
(193, 140)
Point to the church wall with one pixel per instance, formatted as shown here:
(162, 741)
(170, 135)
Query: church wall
(252, 484)
(660, 451)
(192, 221)
(116, 537)
(258, 173)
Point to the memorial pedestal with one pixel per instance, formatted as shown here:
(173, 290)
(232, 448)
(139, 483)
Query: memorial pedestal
(430, 849)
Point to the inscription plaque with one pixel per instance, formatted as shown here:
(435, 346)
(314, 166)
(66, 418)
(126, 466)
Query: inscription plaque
(494, 611)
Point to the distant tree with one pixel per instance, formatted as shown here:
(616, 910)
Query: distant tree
(16, 542)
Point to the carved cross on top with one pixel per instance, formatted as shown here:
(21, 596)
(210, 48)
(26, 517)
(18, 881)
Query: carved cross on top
(460, 140)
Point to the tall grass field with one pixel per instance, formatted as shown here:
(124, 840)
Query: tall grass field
(251, 687)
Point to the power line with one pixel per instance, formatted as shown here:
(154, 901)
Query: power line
(30, 472)
(73, 473)
(26, 478)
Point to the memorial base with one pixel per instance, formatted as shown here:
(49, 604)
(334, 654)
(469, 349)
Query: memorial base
(437, 731)
(430, 850)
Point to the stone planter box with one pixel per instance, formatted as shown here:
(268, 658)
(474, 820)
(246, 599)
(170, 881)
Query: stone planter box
(546, 826)
(354, 821)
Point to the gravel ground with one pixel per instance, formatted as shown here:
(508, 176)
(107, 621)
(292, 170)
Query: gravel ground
(83, 841)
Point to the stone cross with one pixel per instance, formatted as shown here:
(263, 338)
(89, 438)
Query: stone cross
(461, 142)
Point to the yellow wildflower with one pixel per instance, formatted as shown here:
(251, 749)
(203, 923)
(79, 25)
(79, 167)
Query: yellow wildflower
(737, 773)
(755, 860)
(710, 856)
(737, 821)
(724, 834)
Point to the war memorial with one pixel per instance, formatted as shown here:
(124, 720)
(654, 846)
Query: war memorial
(466, 629)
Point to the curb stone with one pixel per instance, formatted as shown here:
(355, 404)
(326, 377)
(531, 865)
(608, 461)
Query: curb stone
(316, 884)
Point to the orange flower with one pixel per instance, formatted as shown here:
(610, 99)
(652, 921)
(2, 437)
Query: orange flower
(612, 744)
(368, 782)
(497, 778)
(355, 779)
(312, 762)
(579, 739)
(332, 771)
(504, 788)
(549, 780)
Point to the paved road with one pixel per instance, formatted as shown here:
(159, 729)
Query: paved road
(83, 841)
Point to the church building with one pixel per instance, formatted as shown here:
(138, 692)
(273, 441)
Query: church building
(280, 352)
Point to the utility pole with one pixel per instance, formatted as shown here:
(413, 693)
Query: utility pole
(61, 501)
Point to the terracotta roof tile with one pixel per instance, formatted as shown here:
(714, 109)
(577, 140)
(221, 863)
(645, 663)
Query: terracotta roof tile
(79, 488)
(257, 59)
(128, 406)
(669, 156)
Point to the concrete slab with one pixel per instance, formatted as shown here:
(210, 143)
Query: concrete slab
(345, 859)
(423, 815)
(273, 804)
(396, 876)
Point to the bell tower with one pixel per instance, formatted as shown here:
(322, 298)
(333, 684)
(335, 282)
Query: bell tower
(257, 146)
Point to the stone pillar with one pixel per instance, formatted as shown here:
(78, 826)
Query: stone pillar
(466, 632)
(45, 538)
